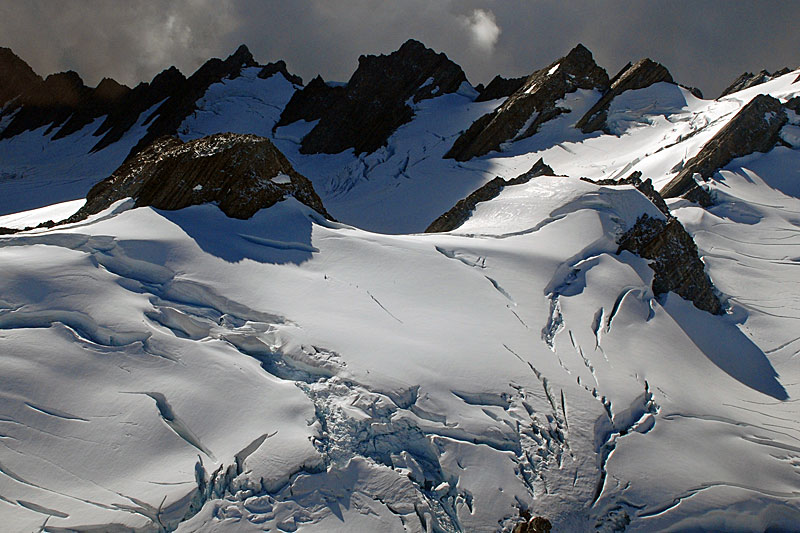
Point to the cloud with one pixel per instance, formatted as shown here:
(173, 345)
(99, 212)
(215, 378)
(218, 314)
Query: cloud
(483, 28)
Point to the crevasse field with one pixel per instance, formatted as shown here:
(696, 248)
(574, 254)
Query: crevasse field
(168, 370)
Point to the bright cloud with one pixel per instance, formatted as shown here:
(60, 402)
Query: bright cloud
(483, 28)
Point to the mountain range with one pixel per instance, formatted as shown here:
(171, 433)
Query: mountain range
(237, 302)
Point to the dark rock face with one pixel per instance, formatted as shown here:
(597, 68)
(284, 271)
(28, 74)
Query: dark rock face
(373, 104)
(674, 259)
(241, 173)
(141, 98)
(531, 105)
(500, 87)
(755, 128)
(270, 69)
(16, 76)
(460, 212)
(310, 103)
(748, 79)
(643, 74)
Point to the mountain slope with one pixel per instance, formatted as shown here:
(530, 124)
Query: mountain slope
(183, 370)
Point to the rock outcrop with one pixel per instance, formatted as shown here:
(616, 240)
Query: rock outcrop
(669, 247)
(240, 173)
(537, 524)
(531, 105)
(674, 260)
(637, 76)
(311, 102)
(500, 87)
(748, 79)
(374, 103)
(755, 128)
(460, 212)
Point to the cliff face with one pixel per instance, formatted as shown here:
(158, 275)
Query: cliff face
(241, 173)
(366, 112)
(531, 105)
(756, 128)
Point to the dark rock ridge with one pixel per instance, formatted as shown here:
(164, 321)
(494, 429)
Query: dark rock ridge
(373, 104)
(755, 128)
(748, 79)
(674, 260)
(500, 87)
(240, 173)
(16, 76)
(460, 212)
(531, 105)
(60, 100)
(182, 101)
(64, 102)
(638, 76)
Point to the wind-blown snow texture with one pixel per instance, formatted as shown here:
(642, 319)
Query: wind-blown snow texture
(183, 370)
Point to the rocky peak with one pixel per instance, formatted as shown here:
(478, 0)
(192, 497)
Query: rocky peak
(240, 173)
(109, 90)
(16, 76)
(363, 114)
(755, 128)
(534, 103)
(270, 69)
(414, 71)
(500, 87)
(643, 74)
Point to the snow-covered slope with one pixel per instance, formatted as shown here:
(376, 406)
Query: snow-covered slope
(183, 370)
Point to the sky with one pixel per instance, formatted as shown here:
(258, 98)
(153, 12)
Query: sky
(705, 44)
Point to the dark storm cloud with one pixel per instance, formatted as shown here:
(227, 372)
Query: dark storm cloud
(705, 44)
